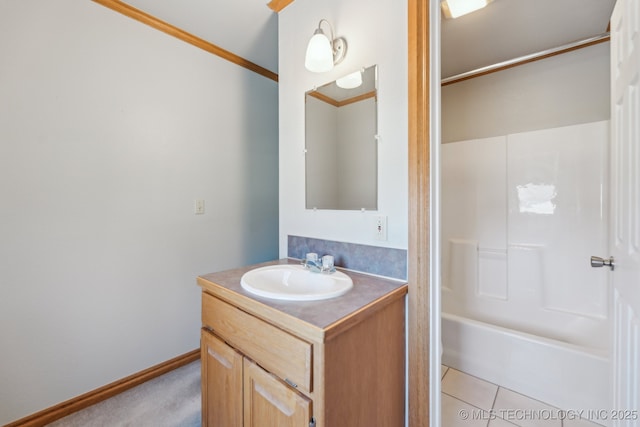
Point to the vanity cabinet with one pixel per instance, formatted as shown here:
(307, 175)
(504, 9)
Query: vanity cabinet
(221, 382)
(331, 363)
(238, 392)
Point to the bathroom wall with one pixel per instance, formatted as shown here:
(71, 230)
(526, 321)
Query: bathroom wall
(563, 90)
(108, 132)
(375, 35)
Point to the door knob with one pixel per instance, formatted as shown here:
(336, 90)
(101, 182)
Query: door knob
(596, 261)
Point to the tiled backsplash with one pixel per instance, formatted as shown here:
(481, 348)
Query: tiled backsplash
(388, 262)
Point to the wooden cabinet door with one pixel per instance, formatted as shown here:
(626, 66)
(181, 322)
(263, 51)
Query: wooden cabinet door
(221, 383)
(270, 403)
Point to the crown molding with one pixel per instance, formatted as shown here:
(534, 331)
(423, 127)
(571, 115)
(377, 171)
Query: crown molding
(145, 18)
(278, 5)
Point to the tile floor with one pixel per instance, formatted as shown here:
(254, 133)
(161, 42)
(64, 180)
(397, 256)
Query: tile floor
(468, 401)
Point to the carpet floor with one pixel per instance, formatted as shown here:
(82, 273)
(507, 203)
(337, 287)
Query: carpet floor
(171, 400)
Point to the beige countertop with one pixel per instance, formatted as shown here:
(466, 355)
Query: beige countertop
(319, 318)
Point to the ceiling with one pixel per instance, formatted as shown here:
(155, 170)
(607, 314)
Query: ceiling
(503, 30)
(507, 29)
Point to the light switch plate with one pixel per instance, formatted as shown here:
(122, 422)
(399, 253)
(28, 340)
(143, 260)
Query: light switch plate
(380, 227)
(199, 207)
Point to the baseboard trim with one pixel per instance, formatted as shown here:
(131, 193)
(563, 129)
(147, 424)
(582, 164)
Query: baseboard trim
(70, 406)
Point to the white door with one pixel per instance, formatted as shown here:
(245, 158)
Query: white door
(625, 214)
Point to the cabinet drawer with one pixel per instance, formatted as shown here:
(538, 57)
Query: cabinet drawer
(275, 350)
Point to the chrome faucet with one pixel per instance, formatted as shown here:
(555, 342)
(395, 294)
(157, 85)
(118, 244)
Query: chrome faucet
(315, 265)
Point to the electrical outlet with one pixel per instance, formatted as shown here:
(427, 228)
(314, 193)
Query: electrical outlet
(199, 207)
(380, 230)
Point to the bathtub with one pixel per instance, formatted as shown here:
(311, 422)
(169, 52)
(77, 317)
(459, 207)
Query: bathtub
(566, 376)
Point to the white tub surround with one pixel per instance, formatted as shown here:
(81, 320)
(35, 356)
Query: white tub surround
(522, 214)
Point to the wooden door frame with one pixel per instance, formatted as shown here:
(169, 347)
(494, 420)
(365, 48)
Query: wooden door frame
(420, 215)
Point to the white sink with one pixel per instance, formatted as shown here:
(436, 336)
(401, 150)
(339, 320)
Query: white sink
(295, 283)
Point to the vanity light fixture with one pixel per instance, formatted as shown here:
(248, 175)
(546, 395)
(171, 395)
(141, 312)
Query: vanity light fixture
(350, 81)
(323, 52)
(456, 8)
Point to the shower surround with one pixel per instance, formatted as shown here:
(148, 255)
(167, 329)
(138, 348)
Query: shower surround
(521, 216)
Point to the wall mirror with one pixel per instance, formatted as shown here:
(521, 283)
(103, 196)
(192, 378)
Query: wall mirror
(341, 146)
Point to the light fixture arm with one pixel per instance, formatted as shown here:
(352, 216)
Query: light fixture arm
(319, 29)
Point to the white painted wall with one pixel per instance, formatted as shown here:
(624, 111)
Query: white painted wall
(375, 35)
(108, 132)
(563, 90)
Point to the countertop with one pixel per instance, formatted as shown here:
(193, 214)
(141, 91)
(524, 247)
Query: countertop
(320, 318)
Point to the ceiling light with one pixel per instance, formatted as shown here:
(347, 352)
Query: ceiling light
(323, 52)
(350, 81)
(456, 8)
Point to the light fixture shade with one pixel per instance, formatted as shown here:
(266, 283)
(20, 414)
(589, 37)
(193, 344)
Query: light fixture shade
(456, 8)
(350, 81)
(319, 57)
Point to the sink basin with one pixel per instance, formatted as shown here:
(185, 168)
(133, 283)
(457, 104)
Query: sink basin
(295, 283)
